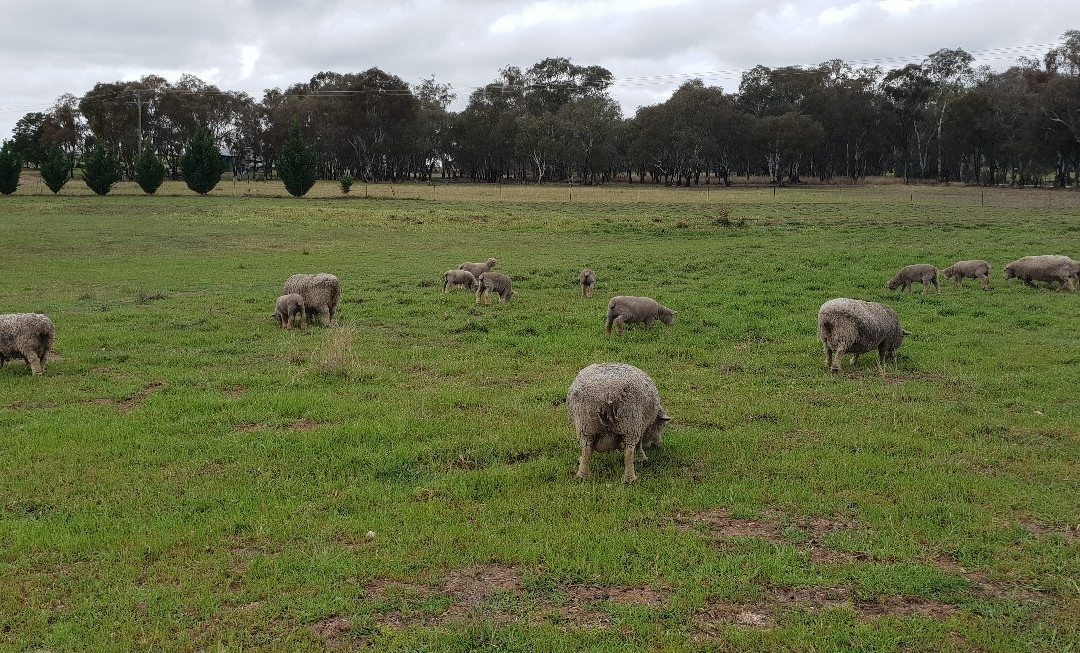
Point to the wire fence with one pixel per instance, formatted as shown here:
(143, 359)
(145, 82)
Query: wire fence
(622, 193)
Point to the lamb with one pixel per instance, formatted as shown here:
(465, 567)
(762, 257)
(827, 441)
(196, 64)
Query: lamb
(908, 275)
(587, 279)
(461, 278)
(855, 327)
(287, 308)
(1048, 268)
(969, 270)
(478, 269)
(614, 405)
(497, 282)
(623, 310)
(28, 336)
(321, 294)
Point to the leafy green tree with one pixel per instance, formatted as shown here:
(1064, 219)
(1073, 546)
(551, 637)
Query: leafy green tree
(346, 181)
(55, 169)
(297, 165)
(200, 164)
(10, 167)
(101, 170)
(149, 170)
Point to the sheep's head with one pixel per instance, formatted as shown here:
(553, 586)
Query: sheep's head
(667, 316)
(509, 295)
(652, 437)
(949, 271)
(1009, 274)
(894, 283)
(491, 263)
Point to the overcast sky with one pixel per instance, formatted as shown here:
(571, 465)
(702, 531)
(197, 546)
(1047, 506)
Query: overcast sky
(650, 46)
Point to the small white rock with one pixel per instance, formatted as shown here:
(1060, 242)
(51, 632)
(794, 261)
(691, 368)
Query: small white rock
(370, 535)
(1039, 413)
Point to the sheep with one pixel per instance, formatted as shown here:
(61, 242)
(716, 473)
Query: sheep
(497, 282)
(587, 279)
(461, 278)
(908, 275)
(478, 269)
(855, 327)
(28, 336)
(1047, 267)
(623, 310)
(287, 308)
(969, 270)
(321, 293)
(614, 405)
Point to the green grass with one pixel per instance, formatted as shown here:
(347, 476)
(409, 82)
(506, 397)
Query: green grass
(189, 477)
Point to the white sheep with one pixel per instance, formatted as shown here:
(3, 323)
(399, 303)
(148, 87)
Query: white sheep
(627, 309)
(910, 274)
(614, 405)
(321, 293)
(461, 278)
(28, 336)
(495, 282)
(287, 308)
(976, 269)
(855, 327)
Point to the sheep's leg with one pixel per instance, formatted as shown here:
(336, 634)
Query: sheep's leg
(648, 323)
(607, 325)
(34, 361)
(937, 286)
(854, 359)
(446, 286)
(487, 297)
(828, 356)
(882, 354)
(583, 290)
(838, 359)
(986, 282)
(620, 324)
(590, 292)
(325, 316)
(640, 456)
(479, 292)
(583, 461)
(628, 464)
(288, 322)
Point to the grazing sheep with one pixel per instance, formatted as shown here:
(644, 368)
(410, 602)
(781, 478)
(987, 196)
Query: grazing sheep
(587, 279)
(969, 270)
(288, 307)
(908, 275)
(28, 336)
(1048, 268)
(497, 282)
(321, 293)
(614, 405)
(855, 327)
(461, 278)
(478, 269)
(623, 310)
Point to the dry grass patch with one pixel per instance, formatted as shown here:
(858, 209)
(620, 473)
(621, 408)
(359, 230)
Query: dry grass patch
(129, 404)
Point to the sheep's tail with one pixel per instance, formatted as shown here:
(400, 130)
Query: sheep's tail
(607, 414)
(46, 337)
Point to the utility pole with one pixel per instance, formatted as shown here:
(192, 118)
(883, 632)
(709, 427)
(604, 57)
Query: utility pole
(138, 102)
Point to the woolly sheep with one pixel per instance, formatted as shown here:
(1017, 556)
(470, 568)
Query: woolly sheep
(1048, 268)
(614, 405)
(28, 336)
(969, 270)
(478, 269)
(462, 278)
(855, 327)
(287, 308)
(321, 293)
(587, 279)
(909, 274)
(623, 310)
(497, 282)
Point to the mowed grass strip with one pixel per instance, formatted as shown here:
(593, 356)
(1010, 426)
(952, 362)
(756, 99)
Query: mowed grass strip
(186, 476)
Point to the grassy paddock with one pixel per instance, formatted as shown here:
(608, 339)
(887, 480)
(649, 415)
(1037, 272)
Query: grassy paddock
(187, 477)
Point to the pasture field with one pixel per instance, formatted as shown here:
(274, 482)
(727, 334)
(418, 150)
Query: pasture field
(187, 477)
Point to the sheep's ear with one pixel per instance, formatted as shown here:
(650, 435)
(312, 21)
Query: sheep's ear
(906, 332)
(663, 417)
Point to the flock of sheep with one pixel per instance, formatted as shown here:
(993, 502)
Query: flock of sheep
(612, 405)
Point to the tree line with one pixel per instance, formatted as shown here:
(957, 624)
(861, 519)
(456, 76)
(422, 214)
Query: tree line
(941, 119)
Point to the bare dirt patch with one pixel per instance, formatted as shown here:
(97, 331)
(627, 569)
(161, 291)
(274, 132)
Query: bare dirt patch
(129, 404)
(33, 405)
(235, 391)
(808, 534)
(495, 592)
(766, 612)
(331, 630)
(1042, 529)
